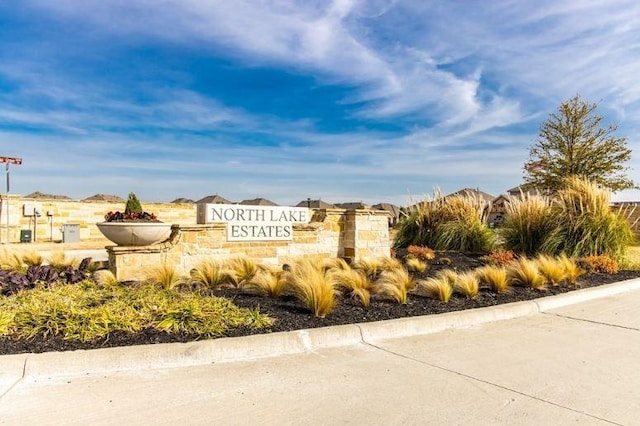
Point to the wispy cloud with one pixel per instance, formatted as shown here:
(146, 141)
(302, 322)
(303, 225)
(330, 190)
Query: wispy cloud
(375, 98)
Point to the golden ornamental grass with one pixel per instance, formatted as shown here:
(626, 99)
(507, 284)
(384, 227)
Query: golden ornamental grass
(316, 289)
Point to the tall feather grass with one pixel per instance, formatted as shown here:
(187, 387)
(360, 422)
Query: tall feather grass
(494, 277)
(467, 284)
(437, 288)
(210, 273)
(395, 284)
(316, 289)
(524, 272)
(356, 283)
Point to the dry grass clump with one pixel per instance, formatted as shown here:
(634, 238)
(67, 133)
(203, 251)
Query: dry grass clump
(525, 273)
(387, 263)
(309, 283)
(395, 284)
(32, 258)
(415, 265)
(449, 275)
(467, 284)
(12, 261)
(494, 277)
(241, 270)
(105, 278)
(356, 283)
(269, 282)
(59, 261)
(336, 263)
(166, 276)
(552, 269)
(437, 288)
(371, 267)
(572, 270)
(210, 273)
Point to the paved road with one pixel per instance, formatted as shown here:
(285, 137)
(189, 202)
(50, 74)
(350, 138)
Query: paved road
(574, 365)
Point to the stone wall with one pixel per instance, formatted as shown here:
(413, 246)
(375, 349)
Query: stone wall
(332, 233)
(84, 213)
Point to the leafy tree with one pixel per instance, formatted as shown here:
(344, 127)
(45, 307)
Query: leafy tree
(573, 142)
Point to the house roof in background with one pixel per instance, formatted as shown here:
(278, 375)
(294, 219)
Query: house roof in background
(183, 201)
(388, 207)
(474, 192)
(258, 202)
(315, 204)
(214, 199)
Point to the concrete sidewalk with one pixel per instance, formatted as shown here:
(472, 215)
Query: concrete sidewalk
(555, 362)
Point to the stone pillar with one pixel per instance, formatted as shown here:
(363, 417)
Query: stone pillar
(366, 234)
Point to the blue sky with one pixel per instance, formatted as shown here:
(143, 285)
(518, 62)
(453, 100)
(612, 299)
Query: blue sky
(341, 100)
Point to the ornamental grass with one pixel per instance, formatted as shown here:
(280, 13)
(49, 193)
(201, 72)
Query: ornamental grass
(309, 283)
(524, 272)
(209, 273)
(588, 226)
(395, 284)
(530, 226)
(165, 276)
(437, 288)
(356, 283)
(467, 284)
(552, 269)
(88, 311)
(268, 281)
(415, 265)
(457, 223)
(494, 277)
(241, 270)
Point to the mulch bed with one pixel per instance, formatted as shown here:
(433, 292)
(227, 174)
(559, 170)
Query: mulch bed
(289, 314)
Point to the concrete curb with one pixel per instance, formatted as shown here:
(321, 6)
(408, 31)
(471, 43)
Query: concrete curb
(171, 355)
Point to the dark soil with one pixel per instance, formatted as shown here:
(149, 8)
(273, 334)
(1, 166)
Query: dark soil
(289, 314)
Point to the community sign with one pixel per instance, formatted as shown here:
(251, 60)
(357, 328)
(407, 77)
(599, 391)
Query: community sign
(254, 223)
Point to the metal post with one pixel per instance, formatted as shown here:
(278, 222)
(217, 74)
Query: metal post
(7, 168)
(7, 161)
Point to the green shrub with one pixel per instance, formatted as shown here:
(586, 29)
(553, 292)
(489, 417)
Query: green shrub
(133, 204)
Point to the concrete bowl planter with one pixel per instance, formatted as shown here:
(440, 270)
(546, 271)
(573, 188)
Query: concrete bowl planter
(135, 233)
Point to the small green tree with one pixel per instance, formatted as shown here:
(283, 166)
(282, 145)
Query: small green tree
(133, 204)
(572, 142)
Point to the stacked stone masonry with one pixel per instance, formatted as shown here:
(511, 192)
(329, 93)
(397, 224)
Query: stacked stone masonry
(332, 233)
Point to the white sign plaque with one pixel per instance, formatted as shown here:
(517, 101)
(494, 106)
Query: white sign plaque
(254, 223)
